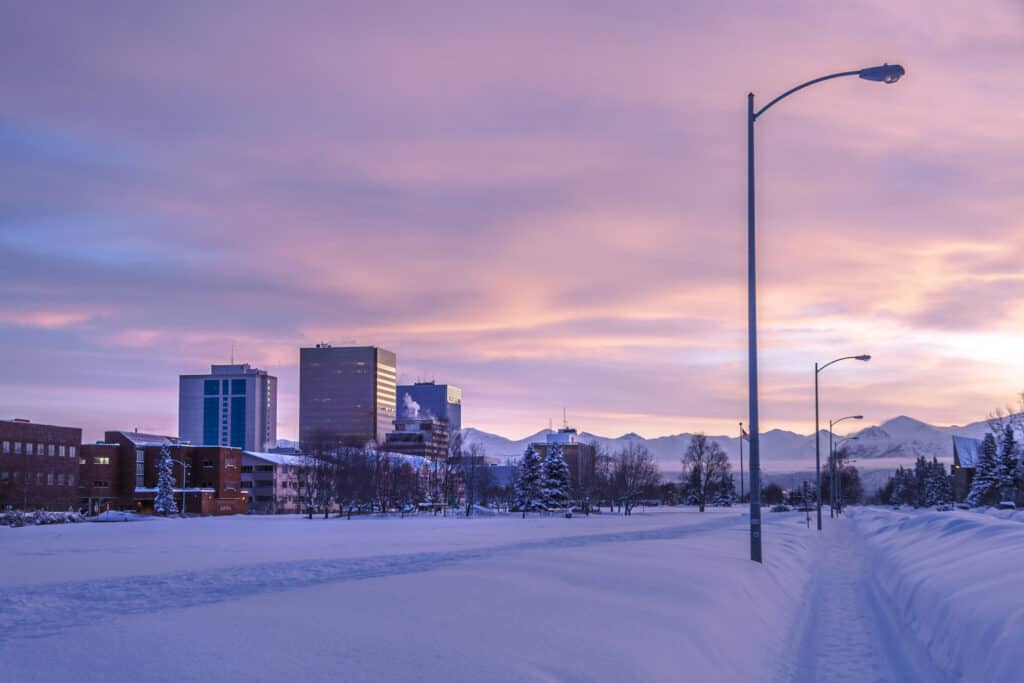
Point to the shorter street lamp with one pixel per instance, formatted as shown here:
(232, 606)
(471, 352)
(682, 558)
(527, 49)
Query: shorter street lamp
(184, 479)
(817, 429)
(832, 462)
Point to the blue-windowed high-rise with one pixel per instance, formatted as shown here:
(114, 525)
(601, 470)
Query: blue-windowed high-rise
(234, 405)
(430, 400)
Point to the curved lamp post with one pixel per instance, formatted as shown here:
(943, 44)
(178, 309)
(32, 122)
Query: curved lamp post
(832, 462)
(887, 73)
(817, 435)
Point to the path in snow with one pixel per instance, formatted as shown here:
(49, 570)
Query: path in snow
(42, 610)
(848, 631)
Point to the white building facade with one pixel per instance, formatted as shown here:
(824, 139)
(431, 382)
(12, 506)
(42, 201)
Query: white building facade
(234, 405)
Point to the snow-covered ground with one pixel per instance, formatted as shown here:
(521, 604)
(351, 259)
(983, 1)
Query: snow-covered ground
(664, 595)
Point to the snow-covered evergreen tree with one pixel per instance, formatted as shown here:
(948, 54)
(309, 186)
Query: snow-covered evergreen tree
(938, 488)
(556, 479)
(921, 474)
(985, 484)
(164, 503)
(904, 485)
(529, 483)
(1006, 465)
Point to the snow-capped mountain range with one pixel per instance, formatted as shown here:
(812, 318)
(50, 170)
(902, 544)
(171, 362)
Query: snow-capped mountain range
(786, 457)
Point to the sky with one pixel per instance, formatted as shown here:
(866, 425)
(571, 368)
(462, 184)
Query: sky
(540, 202)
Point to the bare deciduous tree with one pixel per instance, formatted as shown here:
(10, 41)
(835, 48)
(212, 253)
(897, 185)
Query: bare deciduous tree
(704, 466)
(633, 472)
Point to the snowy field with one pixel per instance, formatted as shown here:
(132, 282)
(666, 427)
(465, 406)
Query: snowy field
(665, 595)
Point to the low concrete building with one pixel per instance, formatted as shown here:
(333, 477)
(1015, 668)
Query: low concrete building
(271, 482)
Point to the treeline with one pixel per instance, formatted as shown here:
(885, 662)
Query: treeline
(348, 479)
(926, 485)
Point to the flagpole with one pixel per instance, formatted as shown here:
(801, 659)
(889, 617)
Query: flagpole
(741, 462)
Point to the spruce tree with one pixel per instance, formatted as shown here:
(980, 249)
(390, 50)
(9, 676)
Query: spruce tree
(556, 479)
(920, 494)
(985, 484)
(900, 489)
(529, 489)
(164, 502)
(1006, 467)
(938, 489)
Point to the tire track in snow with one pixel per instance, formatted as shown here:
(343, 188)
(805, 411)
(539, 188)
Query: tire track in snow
(42, 610)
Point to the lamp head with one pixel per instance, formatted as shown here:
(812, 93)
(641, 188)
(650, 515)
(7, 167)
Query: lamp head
(863, 357)
(858, 417)
(887, 73)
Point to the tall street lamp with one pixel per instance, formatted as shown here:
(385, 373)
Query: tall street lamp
(832, 463)
(887, 73)
(817, 435)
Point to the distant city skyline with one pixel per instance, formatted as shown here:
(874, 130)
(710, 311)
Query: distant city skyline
(541, 206)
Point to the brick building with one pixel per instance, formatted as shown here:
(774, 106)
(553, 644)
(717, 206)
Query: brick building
(121, 473)
(98, 477)
(580, 457)
(38, 465)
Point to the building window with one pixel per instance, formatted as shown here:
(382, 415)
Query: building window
(49, 478)
(40, 478)
(246, 469)
(207, 464)
(52, 449)
(7, 447)
(60, 479)
(71, 451)
(210, 387)
(4, 475)
(140, 469)
(17, 447)
(101, 484)
(264, 468)
(60, 450)
(81, 461)
(230, 462)
(101, 460)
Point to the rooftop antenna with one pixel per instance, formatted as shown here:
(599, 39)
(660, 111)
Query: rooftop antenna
(232, 353)
(565, 422)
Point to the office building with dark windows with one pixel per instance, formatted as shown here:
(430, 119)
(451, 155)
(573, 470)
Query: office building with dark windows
(234, 405)
(428, 400)
(346, 395)
(423, 437)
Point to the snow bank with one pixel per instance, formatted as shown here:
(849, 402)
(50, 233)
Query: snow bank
(16, 518)
(666, 595)
(117, 516)
(956, 579)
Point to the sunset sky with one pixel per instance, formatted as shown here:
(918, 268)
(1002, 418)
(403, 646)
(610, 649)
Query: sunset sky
(542, 203)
